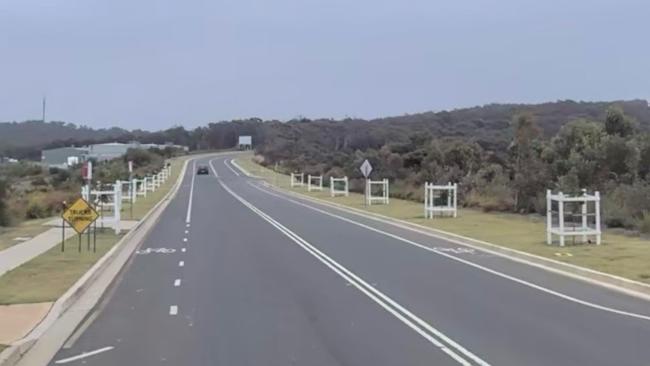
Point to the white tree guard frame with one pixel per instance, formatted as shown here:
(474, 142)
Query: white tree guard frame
(334, 191)
(314, 183)
(294, 180)
(142, 186)
(432, 191)
(585, 229)
(381, 199)
(151, 184)
(114, 203)
(128, 193)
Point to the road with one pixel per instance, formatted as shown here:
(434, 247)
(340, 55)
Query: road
(236, 273)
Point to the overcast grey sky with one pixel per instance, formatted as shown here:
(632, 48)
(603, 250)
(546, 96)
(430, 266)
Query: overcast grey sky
(156, 63)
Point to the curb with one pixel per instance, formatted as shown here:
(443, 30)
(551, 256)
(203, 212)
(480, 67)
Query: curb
(15, 352)
(620, 284)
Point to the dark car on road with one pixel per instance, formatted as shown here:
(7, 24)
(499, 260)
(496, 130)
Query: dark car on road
(202, 170)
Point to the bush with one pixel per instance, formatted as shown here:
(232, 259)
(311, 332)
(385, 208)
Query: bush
(644, 223)
(36, 210)
(626, 205)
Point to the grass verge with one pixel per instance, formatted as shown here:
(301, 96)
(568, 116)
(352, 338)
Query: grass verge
(29, 228)
(619, 255)
(48, 276)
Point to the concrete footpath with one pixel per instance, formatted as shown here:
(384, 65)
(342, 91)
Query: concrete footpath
(18, 254)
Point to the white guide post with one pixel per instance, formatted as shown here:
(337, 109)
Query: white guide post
(314, 183)
(134, 190)
(117, 206)
(432, 195)
(382, 198)
(585, 206)
(297, 179)
(335, 191)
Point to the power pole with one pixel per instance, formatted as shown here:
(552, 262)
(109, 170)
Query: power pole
(44, 99)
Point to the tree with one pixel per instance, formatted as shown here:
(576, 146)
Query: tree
(4, 215)
(529, 171)
(617, 123)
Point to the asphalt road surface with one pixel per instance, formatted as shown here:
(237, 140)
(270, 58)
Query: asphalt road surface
(236, 273)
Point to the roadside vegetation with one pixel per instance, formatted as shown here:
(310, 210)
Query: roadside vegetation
(611, 155)
(46, 277)
(621, 255)
(29, 191)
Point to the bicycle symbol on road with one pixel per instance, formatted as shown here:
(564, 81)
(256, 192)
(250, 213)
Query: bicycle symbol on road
(156, 251)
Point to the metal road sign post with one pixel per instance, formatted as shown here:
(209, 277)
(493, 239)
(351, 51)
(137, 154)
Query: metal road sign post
(366, 169)
(131, 189)
(80, 215)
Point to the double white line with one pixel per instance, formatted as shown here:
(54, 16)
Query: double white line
(431, 334)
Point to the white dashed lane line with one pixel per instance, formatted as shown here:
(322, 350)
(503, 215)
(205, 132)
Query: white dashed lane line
(185, 240)
(173, 310)
(181, 264)
(183, 250)
(177, 282)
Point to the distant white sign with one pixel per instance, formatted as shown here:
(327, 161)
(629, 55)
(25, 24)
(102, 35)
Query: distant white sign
(245, 140)
(73, 160)
(366, 168)
(130, 166)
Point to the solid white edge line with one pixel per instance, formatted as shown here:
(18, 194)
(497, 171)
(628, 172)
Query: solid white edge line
(173, 310)
(216, 175)
(177, 282)
(188, 217)
(485, 247)
(225, 162)
(84, 355)
(234, 163)
(464, 261)
(408, 318)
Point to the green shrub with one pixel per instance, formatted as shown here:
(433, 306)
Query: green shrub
(36, 210)
(644, 223)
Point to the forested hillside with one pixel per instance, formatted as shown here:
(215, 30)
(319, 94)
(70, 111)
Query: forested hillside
(489, 125)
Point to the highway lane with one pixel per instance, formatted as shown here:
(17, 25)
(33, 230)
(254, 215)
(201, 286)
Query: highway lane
(247, 296)
(256, 289)
(501, 320)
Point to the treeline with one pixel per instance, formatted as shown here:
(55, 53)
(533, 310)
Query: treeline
(488, 125)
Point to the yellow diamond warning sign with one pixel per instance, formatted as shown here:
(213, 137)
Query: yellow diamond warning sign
(80, 215)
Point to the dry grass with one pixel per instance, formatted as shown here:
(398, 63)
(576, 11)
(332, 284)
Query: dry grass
(620, 255)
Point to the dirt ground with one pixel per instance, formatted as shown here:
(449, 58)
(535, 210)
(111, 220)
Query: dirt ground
(17, 320)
